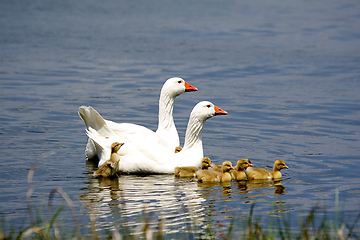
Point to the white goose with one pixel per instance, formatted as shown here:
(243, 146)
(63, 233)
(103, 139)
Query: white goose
(172, 88)
(141, 155)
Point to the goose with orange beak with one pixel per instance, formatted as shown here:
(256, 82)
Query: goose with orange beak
(143, 156)
(167, 131)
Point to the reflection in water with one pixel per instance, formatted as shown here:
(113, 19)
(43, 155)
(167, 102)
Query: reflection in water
(256, 184)
(245, 186)
(127, 200)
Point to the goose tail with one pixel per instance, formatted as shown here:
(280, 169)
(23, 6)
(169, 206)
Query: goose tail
(91, 117)
(99, 134)
(102, 144)
(94, 120)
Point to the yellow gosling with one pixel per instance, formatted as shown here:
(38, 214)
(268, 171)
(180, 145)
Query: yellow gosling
(183, 172)
(262, 173)
(110, 168)
(215, 176)
(239, 172)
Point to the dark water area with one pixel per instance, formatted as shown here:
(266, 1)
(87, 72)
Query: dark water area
(287, 72)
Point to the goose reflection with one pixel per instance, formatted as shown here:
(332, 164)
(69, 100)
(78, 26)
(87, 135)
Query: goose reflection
(126, 198)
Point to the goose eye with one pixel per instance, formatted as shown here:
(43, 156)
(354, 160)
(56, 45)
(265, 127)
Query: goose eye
(208, 106)
(179, 81)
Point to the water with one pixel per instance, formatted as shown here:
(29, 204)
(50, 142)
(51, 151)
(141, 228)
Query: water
(287, 72)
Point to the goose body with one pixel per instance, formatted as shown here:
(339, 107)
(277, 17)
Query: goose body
(239, 172)
(262, 173)
(167, 131)
(110, 168)
(141, 155)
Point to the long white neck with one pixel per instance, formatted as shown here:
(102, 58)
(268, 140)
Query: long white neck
(166, 126)
(192, 152)
(166, 106)
(194, 133)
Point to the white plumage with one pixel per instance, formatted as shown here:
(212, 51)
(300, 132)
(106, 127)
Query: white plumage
(172, 88)
(145, 151)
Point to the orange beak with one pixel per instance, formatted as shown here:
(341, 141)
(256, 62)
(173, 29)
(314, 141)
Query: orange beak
(189, 88)
(219, 111)
(286, 167)
(250, 165)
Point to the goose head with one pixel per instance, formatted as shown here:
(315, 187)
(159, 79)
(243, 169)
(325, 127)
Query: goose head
(279, 164)
(176, 86)
(205, 110)
(200, 113)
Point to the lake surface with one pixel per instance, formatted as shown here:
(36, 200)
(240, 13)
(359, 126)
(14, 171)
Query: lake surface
(287, 72)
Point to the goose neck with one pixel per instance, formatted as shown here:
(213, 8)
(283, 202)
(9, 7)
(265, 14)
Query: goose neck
(166, 105)
(193, 133)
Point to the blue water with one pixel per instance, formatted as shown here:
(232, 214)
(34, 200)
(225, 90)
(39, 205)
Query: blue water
(287, 72)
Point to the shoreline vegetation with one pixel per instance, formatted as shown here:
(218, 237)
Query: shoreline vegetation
(314, 225)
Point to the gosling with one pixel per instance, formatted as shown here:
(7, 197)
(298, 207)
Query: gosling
(110, 168)
(239, 172)
(215, 176)
(262, 173)
(189, 172)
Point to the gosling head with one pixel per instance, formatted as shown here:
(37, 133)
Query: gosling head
(279, 164)
(243, 164)
(205, 163)
(227, 166)
(178, 149)
(116, 146)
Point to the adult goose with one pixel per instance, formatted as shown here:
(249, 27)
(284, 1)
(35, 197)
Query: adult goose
(262, 173)
(146, 154)
(172, 88)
